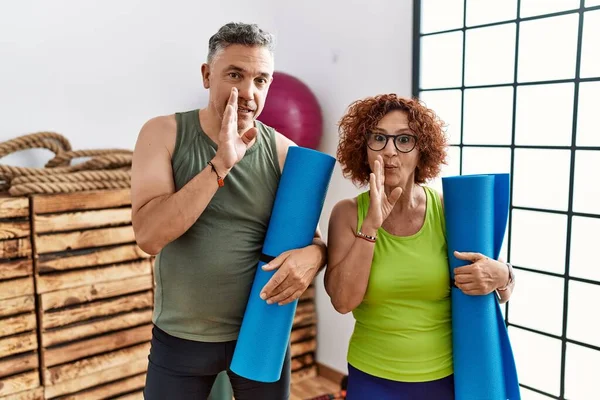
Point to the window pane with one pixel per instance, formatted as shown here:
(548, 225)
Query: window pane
(548, 48)
(590, 56)
(583, 325)
(538, 240)
(441, 15)
(537, 358)
(584, 243)
(581, 375)
(446, 104)
(527, 394)
(485, 64)
(452, 169)
(488, 116)
(485, 160)
(540, 7)
(586, 197)
(588, 132)
(542, 178)
(545, 115)
(481, 12)
(531, 307)
(434, 49)
(590, 3)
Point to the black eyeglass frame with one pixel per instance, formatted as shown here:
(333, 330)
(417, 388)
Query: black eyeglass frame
(393, 137)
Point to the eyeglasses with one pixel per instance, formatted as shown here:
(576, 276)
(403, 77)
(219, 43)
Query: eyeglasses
(404, 143)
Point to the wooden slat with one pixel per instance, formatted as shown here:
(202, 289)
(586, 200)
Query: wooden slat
(16, 364)
(16, 288)
(303, 347)
(18, 324)
(18, 344)
(302, 374)
(97, 345)
(94, 257)
(309, 294)
(132, 396)
(115, 388)
(13, 229)
(71, 279)
(300, 334)
(134, 367)
(80, 331)
(14, 248)
(96, 309)
(72, 296)
(19, 383)
(82, 220)
(305, 315)
(15, 268)
(95, 364)
(33, 394)
(13, 207)
(84, 239)
(16, 305)
(303, 361)
(86, 200)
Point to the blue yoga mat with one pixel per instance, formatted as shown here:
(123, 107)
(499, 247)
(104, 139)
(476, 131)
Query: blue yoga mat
(476, 209)
(265, 330)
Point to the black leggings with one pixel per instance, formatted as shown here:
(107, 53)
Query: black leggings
(185, 369)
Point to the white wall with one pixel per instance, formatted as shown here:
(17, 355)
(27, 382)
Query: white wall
(97, 72)
(344, 50)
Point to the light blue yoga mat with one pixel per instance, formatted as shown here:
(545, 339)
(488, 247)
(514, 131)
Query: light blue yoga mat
(476, 209)
(265, 330)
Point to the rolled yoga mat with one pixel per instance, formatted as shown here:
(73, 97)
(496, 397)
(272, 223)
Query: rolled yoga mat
(476, 210)
(265, 331)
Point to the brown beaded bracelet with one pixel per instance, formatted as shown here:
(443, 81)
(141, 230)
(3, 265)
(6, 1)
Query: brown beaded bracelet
(368, 238)
(219, 179)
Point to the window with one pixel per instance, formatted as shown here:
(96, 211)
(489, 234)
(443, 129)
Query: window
(518, 84)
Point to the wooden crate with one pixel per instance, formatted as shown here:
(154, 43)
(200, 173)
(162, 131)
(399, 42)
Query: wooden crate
(304, 338)
(19, 374)
(94, 288)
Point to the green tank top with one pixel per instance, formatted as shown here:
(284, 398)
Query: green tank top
(204, 277)
(403, 329)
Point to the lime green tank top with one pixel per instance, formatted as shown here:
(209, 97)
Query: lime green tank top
(204, 277)
(403, 329)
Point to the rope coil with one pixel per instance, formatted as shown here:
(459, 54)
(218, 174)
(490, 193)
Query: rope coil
(105, 168)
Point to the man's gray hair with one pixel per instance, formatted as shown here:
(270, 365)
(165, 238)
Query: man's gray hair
(239, 33)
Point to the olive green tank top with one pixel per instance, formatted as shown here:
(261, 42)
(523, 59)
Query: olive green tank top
(204, 277)
(403, 329)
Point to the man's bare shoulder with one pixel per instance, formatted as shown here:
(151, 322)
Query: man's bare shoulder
(163, 124)
(283, 144)
(159, 130)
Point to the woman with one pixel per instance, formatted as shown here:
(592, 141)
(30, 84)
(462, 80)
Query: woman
(387, 254)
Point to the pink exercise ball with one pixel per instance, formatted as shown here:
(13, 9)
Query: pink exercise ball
(292, 109)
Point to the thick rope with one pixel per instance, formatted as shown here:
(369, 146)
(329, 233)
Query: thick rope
(83, 176)
(106, 169)
(54, 142)
(51, 188)
(108, 161)
(64, 158)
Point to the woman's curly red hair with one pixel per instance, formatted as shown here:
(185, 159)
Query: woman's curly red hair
(363, 115)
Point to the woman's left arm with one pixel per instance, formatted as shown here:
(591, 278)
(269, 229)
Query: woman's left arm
(484, 276)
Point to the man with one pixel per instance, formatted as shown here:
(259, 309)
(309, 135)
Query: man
(203, 185)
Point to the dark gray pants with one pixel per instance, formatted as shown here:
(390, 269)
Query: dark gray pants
(186, 370)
